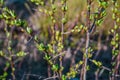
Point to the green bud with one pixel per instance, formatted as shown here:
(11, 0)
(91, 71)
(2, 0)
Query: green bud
(118, 20)
(53, 7)
(64, 8)
(64, 20)
(29, 30)
(113, 16)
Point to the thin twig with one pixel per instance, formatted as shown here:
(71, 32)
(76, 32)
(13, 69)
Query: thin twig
(50, 78)
(85, 58)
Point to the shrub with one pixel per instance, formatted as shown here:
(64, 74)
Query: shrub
(62, 35)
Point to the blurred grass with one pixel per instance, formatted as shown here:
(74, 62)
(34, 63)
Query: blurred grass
(76, 15)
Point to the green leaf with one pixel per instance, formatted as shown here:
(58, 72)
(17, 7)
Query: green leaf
(47, 57)
(97, 63)
(5, 74)
(64, 20)
(64, 77)
(21, 54)
(55, 67)
(1, 53)
(41, 47)
(29, 30)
